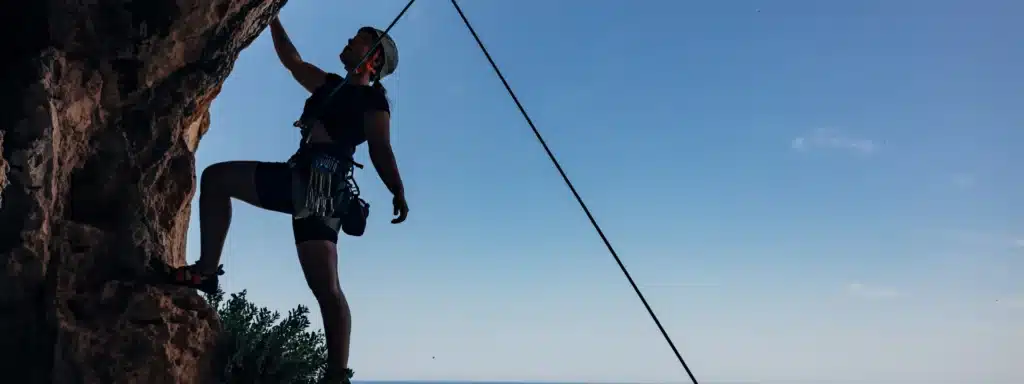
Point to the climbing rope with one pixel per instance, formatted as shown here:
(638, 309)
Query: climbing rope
(579, 199)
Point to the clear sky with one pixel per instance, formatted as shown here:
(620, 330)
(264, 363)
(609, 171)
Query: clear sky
(805, 190)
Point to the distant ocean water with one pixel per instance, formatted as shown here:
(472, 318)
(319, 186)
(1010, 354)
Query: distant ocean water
(701, 382)
(545, 382)
(532, 382)
(509, 382)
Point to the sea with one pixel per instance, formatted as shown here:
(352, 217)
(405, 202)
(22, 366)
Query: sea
(543, 382)
(689, 382)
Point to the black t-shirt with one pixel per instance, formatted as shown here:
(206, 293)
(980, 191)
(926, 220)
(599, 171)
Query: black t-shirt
(343, 117)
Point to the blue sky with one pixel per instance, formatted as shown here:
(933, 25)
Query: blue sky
(805, 190)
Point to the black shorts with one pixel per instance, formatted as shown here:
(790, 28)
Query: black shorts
(274, 189)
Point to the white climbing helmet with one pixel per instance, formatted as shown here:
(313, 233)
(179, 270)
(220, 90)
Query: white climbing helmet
(390, 51)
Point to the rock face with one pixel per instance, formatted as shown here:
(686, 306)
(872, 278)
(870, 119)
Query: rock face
(104, 105)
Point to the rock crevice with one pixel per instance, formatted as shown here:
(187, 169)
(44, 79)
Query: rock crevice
(109, 100)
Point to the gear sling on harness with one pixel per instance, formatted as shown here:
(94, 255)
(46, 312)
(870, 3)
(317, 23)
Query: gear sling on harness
(320, 183)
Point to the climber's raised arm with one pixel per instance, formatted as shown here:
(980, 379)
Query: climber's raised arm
(305, 73)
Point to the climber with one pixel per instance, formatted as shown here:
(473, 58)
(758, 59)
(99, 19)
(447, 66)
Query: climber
(315, 186)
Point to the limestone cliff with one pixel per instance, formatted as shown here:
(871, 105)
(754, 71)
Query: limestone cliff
(104, 102)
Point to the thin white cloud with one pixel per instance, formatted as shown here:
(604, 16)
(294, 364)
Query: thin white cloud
(868, 292)
(833, 139)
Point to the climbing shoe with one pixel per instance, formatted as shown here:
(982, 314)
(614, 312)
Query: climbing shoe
(190, 276)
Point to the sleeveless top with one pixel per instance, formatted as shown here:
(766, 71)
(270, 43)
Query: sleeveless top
(343, 118)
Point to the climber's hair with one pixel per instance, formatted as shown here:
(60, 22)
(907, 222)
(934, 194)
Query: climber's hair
(377, 65)
(380, 87)
(377, 85)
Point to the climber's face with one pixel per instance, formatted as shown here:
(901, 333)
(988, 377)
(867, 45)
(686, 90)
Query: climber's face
(357, 47)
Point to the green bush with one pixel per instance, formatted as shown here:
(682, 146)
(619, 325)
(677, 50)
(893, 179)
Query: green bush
(257, 346)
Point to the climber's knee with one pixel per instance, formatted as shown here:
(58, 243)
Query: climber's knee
(229, 179)
(217, 178)
(329, 296)
(212, 179)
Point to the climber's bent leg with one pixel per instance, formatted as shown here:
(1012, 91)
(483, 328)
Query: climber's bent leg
(265, 185)
(316, 240)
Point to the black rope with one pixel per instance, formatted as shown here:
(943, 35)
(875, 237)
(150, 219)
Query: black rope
(576, 194)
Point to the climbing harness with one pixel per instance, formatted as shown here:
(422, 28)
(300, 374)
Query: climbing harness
(319, 194)
(579, 199)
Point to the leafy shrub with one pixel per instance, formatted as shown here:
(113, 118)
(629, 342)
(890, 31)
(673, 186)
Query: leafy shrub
(257, 346)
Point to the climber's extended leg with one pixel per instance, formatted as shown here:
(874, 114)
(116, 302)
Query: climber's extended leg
(316, 242)
(265, 185)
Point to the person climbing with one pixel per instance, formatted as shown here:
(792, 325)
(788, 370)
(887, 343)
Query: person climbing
(316, 185)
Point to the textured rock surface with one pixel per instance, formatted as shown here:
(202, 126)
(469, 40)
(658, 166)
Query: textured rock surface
(104, 104)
